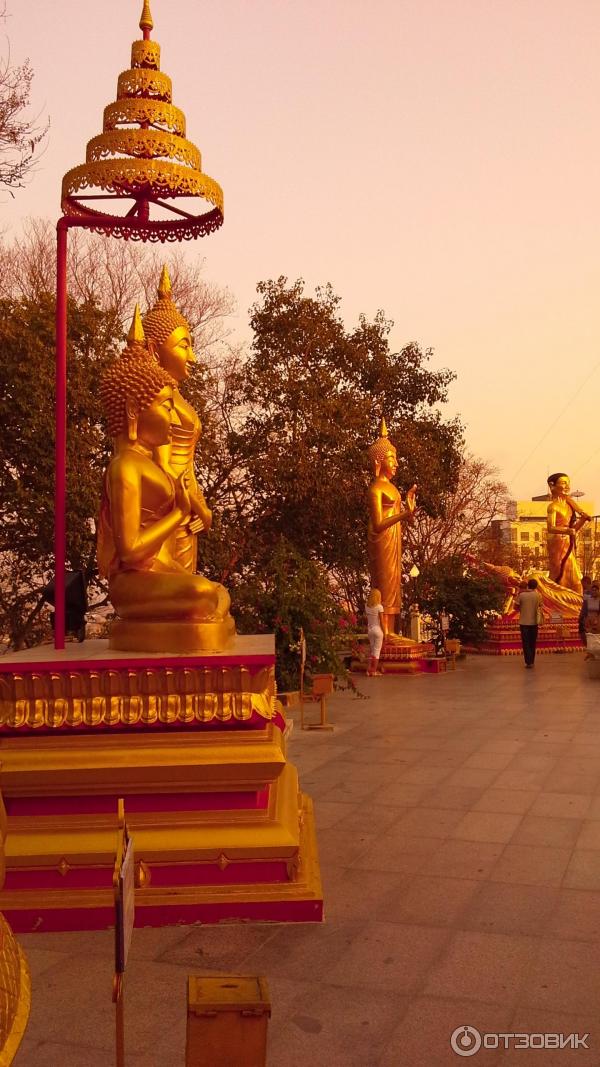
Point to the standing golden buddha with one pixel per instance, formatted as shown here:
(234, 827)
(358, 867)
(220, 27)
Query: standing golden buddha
(386, 511)
(564, 520)
(169, 340)
(161, 607)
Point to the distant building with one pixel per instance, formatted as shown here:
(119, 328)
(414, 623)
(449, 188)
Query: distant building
(523, 533)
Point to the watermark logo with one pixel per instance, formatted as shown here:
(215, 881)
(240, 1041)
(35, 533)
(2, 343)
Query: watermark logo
(467, 1040)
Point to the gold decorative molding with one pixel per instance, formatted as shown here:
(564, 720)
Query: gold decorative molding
(145, 144)
(145, 54)
(132, 696)
(144, 111)
(155, 176)
(144, 82)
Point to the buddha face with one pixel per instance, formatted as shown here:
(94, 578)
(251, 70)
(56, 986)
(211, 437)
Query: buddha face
(389, 464)
(176, 354)
(155, 422)
(561, 487)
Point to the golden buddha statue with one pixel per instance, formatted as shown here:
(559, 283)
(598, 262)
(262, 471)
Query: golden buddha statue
(386, 511)
(564, 520)
(161, 607)
(556, 599)
(169, 340)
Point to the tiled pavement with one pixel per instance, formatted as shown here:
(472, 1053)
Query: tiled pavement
(459, 827)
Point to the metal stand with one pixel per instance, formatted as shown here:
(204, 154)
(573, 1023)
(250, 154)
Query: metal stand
(120, 1019)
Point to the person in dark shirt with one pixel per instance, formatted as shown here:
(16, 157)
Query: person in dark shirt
(529, 604)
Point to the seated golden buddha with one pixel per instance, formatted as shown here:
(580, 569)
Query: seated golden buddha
(161, 606)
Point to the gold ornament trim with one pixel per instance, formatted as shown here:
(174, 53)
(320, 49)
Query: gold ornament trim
(145, 54)
(144, 83)
(126, 177)
(144, 144)
(128, 697)
(154, 112)
(20, 1019)
(146, 21)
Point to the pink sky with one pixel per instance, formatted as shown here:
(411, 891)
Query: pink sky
(439, 160)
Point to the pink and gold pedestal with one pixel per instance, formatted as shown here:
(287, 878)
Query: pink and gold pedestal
(196, 745)
(503, 637)
(400, 656)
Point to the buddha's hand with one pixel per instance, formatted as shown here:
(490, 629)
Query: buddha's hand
(182, 495)
(196, 525)
(411, 498)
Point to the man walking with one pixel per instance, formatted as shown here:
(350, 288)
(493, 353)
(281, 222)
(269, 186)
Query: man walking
(530, 609)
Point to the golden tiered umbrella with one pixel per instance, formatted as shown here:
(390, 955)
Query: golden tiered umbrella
(143, 155)
(141, 162)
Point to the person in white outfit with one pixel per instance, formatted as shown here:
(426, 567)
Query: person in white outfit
(374, 611)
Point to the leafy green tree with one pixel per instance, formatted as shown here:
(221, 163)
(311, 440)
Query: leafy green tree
(102, 299)
(469, 598)
(27, 451)
(287, 594)
(301, 412)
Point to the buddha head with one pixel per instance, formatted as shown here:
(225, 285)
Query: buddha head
(137, 394)
(382, 454)
(168, 334)
(559, 484)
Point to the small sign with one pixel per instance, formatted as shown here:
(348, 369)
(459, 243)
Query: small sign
(124, 887)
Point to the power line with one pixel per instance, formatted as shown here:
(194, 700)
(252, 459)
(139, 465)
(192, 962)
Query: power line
(557, 419)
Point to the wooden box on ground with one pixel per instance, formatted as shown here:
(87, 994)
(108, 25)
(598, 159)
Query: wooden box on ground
(227, 1018)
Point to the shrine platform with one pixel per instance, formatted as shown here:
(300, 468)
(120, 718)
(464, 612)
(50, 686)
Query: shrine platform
(503, 637)
(458, 837)
(399, 657)
(196, 747)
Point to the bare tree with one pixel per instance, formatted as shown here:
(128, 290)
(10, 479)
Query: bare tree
(114, 276)
(20, 134)
(466, 518)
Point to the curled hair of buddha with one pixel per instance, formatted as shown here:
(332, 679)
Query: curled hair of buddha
(382, 447)
(134, 378)
(164, 317)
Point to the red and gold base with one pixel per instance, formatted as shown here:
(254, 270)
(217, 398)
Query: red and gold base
(196, 746)
(503, 637)
(400, 656)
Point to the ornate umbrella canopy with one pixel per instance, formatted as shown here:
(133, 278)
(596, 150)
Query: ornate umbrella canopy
(143, 156)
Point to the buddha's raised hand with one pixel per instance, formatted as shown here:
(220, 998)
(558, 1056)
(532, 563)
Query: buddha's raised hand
(182, 494)
(411, 498)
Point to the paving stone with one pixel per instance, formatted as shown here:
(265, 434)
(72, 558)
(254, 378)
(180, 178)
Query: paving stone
(425, 899)
(488, 967)
(423, 1037)
(583, 871)
(510, 909)
(561, 805)
(531, 865)
(506, 801)
(576, 917)
(486, 826)
(344, 1026)
(589, 836)
(562, 978)
(455, 797)
(543, 830)
(537, 1021)
(464, 859)
(389, 955)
